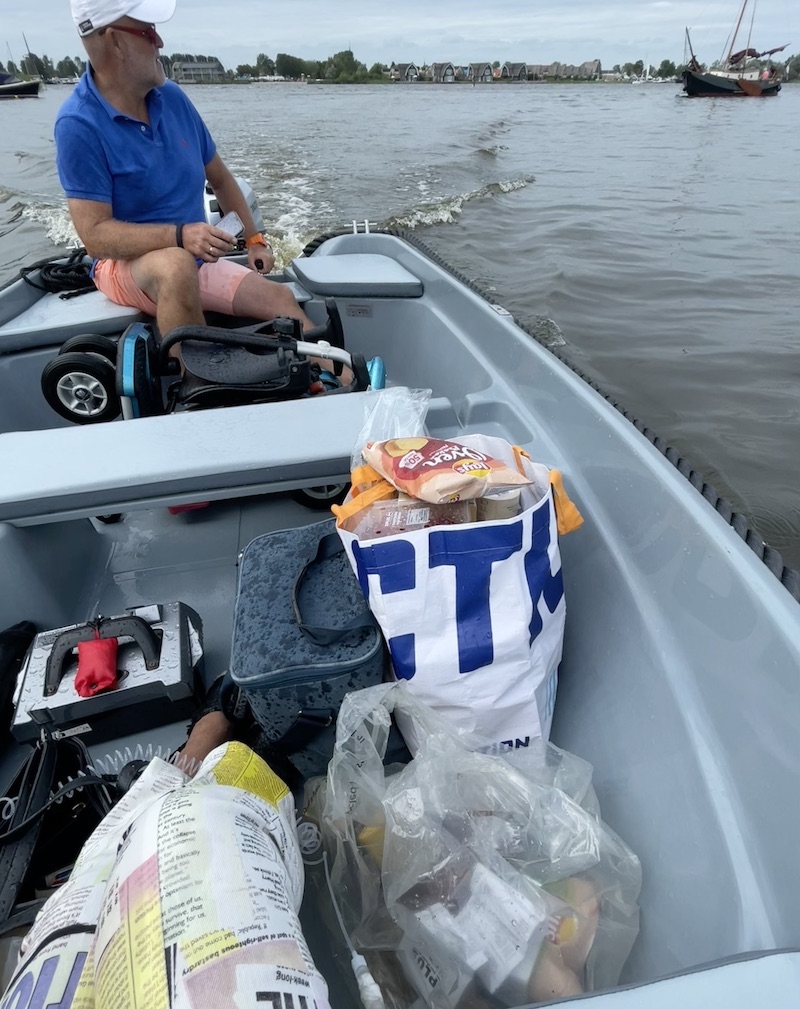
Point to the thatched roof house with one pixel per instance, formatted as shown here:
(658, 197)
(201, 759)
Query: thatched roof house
(443, 73)
(403, 71)
(481, 73)
(515, 71)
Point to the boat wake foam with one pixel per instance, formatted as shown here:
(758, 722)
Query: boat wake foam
(545, 329)
(448, 210)
(55, 221)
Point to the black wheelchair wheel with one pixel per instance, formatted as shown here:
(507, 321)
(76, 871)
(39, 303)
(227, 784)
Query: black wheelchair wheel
(322, 497)
(81, 388)
(91, 343)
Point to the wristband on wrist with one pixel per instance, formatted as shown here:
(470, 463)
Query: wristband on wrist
(257, 239)
(179, 235)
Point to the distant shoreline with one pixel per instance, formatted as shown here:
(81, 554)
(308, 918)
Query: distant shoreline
(504, 82)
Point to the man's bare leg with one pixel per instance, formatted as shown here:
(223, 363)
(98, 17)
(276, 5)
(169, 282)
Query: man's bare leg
(169, 278)
(211, 730)
(264, 299)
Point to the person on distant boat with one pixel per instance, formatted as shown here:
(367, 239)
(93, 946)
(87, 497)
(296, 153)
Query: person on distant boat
(133, 155)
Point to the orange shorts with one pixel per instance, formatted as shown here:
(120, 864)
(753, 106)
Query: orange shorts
(219, 283)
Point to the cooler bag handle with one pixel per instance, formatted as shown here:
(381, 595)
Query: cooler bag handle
(329, 546)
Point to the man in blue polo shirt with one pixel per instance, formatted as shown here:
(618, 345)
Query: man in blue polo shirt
(133, 155)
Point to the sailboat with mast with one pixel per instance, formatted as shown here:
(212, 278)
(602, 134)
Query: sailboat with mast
(13, 87)
(735, 77)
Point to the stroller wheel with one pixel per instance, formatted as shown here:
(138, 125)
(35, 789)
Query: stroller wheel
(81, 388)
(322, 497)
(360, 372)
(91, 343)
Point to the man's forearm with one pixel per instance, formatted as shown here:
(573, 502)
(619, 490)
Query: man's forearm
(120, 240)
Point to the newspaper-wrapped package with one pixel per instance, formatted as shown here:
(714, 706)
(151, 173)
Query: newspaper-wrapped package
(186, 895)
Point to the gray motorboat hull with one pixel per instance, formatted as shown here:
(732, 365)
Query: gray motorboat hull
(679, 681)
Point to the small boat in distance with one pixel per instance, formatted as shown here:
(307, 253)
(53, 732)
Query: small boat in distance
(13, 87)
(735, 76)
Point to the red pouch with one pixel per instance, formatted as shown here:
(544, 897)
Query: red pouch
(97, 666)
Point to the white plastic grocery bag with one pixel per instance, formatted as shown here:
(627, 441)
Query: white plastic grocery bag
(473, 614)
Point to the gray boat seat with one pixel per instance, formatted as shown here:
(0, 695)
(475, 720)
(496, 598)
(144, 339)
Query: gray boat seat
(356, 275)
(51, 320)
(198, 455)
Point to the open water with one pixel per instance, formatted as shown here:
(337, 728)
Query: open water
(652, 236)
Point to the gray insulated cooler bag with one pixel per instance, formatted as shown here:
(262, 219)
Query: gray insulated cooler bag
(303, 637)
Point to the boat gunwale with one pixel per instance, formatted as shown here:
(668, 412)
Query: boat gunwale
(770, 557)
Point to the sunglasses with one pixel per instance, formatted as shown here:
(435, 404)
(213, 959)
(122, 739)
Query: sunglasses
(148, 33)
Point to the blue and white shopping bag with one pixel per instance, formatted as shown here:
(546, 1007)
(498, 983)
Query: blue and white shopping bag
(474, 614)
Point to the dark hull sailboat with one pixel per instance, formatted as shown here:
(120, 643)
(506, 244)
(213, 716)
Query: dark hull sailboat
(736, 76)
(20, 89)
(13, 87)
(10, 87)
(713, 85)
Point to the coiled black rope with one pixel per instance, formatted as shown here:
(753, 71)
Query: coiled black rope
(788, 577)
(67, 278)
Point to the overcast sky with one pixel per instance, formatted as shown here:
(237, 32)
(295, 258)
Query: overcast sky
(423, 31)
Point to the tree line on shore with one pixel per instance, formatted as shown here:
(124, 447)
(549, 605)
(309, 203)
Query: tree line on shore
(341, 68)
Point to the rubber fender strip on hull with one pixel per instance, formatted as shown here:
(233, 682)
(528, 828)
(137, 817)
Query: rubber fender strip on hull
(788, 577)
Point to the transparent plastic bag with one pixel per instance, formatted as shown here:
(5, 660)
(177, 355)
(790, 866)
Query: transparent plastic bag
(483, 880)
(404, 514)
(396, 412)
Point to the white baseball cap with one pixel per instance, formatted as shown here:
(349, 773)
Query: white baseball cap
(91, 15)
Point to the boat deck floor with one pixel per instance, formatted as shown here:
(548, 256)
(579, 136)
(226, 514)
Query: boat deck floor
(153, 556)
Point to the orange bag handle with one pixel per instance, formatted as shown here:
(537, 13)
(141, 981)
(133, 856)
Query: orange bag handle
(568, 518)
(519, 455)
(362, 477)
(368, 486)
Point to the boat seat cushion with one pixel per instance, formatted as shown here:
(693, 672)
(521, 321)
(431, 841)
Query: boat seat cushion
(52, 320)
(189, 456)
(356, 275)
